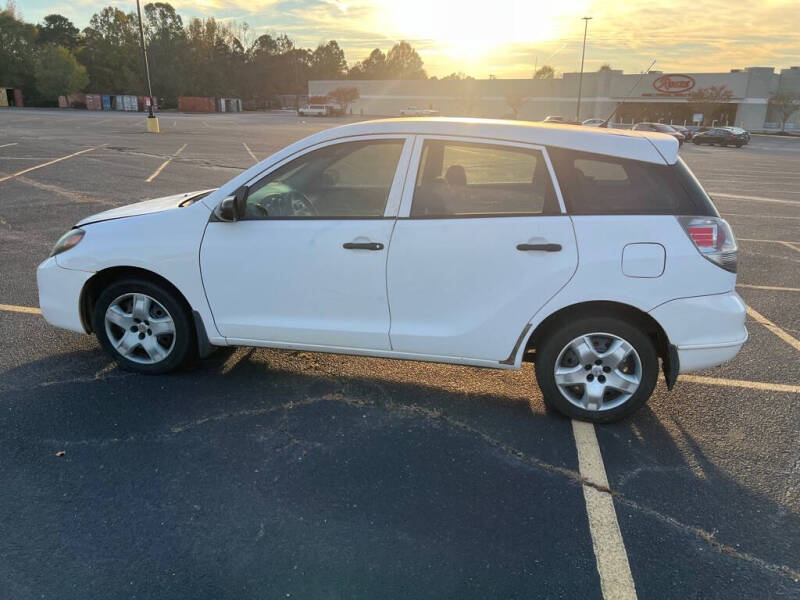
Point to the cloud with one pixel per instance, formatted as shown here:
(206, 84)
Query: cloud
(508, 37)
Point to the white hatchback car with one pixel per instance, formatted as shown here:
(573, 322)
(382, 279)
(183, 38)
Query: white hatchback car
(593, 253)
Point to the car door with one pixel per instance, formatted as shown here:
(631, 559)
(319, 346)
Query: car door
(306, 264)
(480, 245)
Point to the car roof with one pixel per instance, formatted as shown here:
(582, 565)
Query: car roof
(637, 145)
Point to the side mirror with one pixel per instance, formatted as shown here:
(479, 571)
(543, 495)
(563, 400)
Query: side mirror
(232, 208)
(226, 210)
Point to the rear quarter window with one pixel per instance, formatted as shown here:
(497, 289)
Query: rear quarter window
(597, 184)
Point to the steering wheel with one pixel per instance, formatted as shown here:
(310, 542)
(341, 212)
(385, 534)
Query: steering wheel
(285, 204)
(300, 205)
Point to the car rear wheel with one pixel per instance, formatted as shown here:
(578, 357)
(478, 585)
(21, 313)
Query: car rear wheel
(143, 326)
(598, 369)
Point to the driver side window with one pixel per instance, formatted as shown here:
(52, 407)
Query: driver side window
(350, 180)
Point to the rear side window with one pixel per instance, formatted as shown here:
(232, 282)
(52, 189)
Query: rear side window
(596, 184)
(460, 179)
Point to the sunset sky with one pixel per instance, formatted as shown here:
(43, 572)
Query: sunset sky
(508, 37)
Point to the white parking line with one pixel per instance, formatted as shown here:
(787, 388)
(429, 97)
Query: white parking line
(755, 198)
(754, 216)
(52, 162)
(790, 245)
(792, 341)
(616, 580)
(250, 152)
(7, 145)
(164, 164)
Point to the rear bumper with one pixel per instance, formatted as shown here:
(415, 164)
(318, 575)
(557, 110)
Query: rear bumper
(706, 330)
(60, 294)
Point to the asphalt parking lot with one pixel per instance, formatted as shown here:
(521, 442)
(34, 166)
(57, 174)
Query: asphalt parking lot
(266, 474)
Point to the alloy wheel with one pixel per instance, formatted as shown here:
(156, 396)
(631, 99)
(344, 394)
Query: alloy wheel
(598, 371)
(140, 328)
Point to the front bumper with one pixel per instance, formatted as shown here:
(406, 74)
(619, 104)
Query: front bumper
(60, 294)
(706, 330)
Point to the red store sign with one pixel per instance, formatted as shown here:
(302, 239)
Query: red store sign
(674, 84)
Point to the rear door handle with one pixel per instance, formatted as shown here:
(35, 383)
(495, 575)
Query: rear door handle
(539, 247)
(362, 246)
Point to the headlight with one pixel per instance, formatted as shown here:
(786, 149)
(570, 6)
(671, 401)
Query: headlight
(69, 240)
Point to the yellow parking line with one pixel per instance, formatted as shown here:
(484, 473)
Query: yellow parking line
(164, 164)
(250, 152)
(792, 341)
(773, 288)
(7, 145)
(51, 162)
(616, 580)
(740, 383)
(31, 310)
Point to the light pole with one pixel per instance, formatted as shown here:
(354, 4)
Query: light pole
(580, 78)
(152, 121)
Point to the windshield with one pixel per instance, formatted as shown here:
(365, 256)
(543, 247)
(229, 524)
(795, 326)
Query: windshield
(663, 128)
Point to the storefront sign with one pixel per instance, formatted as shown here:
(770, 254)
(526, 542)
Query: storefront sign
(673, 84)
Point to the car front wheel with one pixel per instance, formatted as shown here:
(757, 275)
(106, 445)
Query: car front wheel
(143, 326)
(598, 369)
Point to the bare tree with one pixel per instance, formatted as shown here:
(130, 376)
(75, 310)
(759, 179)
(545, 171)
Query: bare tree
(712, 101)
(544, 72)
(515, 100)
(786, 104)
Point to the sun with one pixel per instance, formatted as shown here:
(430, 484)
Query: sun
(468, 31)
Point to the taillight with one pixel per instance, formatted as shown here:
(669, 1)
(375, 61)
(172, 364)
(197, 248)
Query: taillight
(714, 239)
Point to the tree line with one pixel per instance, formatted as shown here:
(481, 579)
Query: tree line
(201, 57)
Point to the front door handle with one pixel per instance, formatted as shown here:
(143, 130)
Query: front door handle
(539, 247)
(362, 246)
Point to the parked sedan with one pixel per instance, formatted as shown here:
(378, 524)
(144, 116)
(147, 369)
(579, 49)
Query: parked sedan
(592, 252)
(687, 134)
(740, 132)
(661, 128)
(721, 136)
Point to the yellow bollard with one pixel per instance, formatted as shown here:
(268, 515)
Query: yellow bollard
(152, 125)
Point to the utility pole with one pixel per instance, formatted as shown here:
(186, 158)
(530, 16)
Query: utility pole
(152, 121)
(580, 78)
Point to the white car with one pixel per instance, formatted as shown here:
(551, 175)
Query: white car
(313, 110)
(413, 111)
(593, 122)
(593, 253)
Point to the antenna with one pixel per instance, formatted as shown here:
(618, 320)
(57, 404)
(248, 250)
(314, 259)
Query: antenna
(635, 85)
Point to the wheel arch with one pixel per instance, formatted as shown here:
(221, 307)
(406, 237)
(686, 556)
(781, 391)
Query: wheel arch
(649, 325)
(100, 280)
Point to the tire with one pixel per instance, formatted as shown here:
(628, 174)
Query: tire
(696, 142)
(739, 145)
(144, 350)
(640, 364)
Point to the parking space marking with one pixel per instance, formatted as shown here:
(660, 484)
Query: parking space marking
(164, 164)
(772, 288)
(792, 341)
(741, 383)
(616, 580)
(754, 198)
(31, 310)
(250, 152)
(790, 245)
(755, 216)
(7, 145)
(51, 162)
